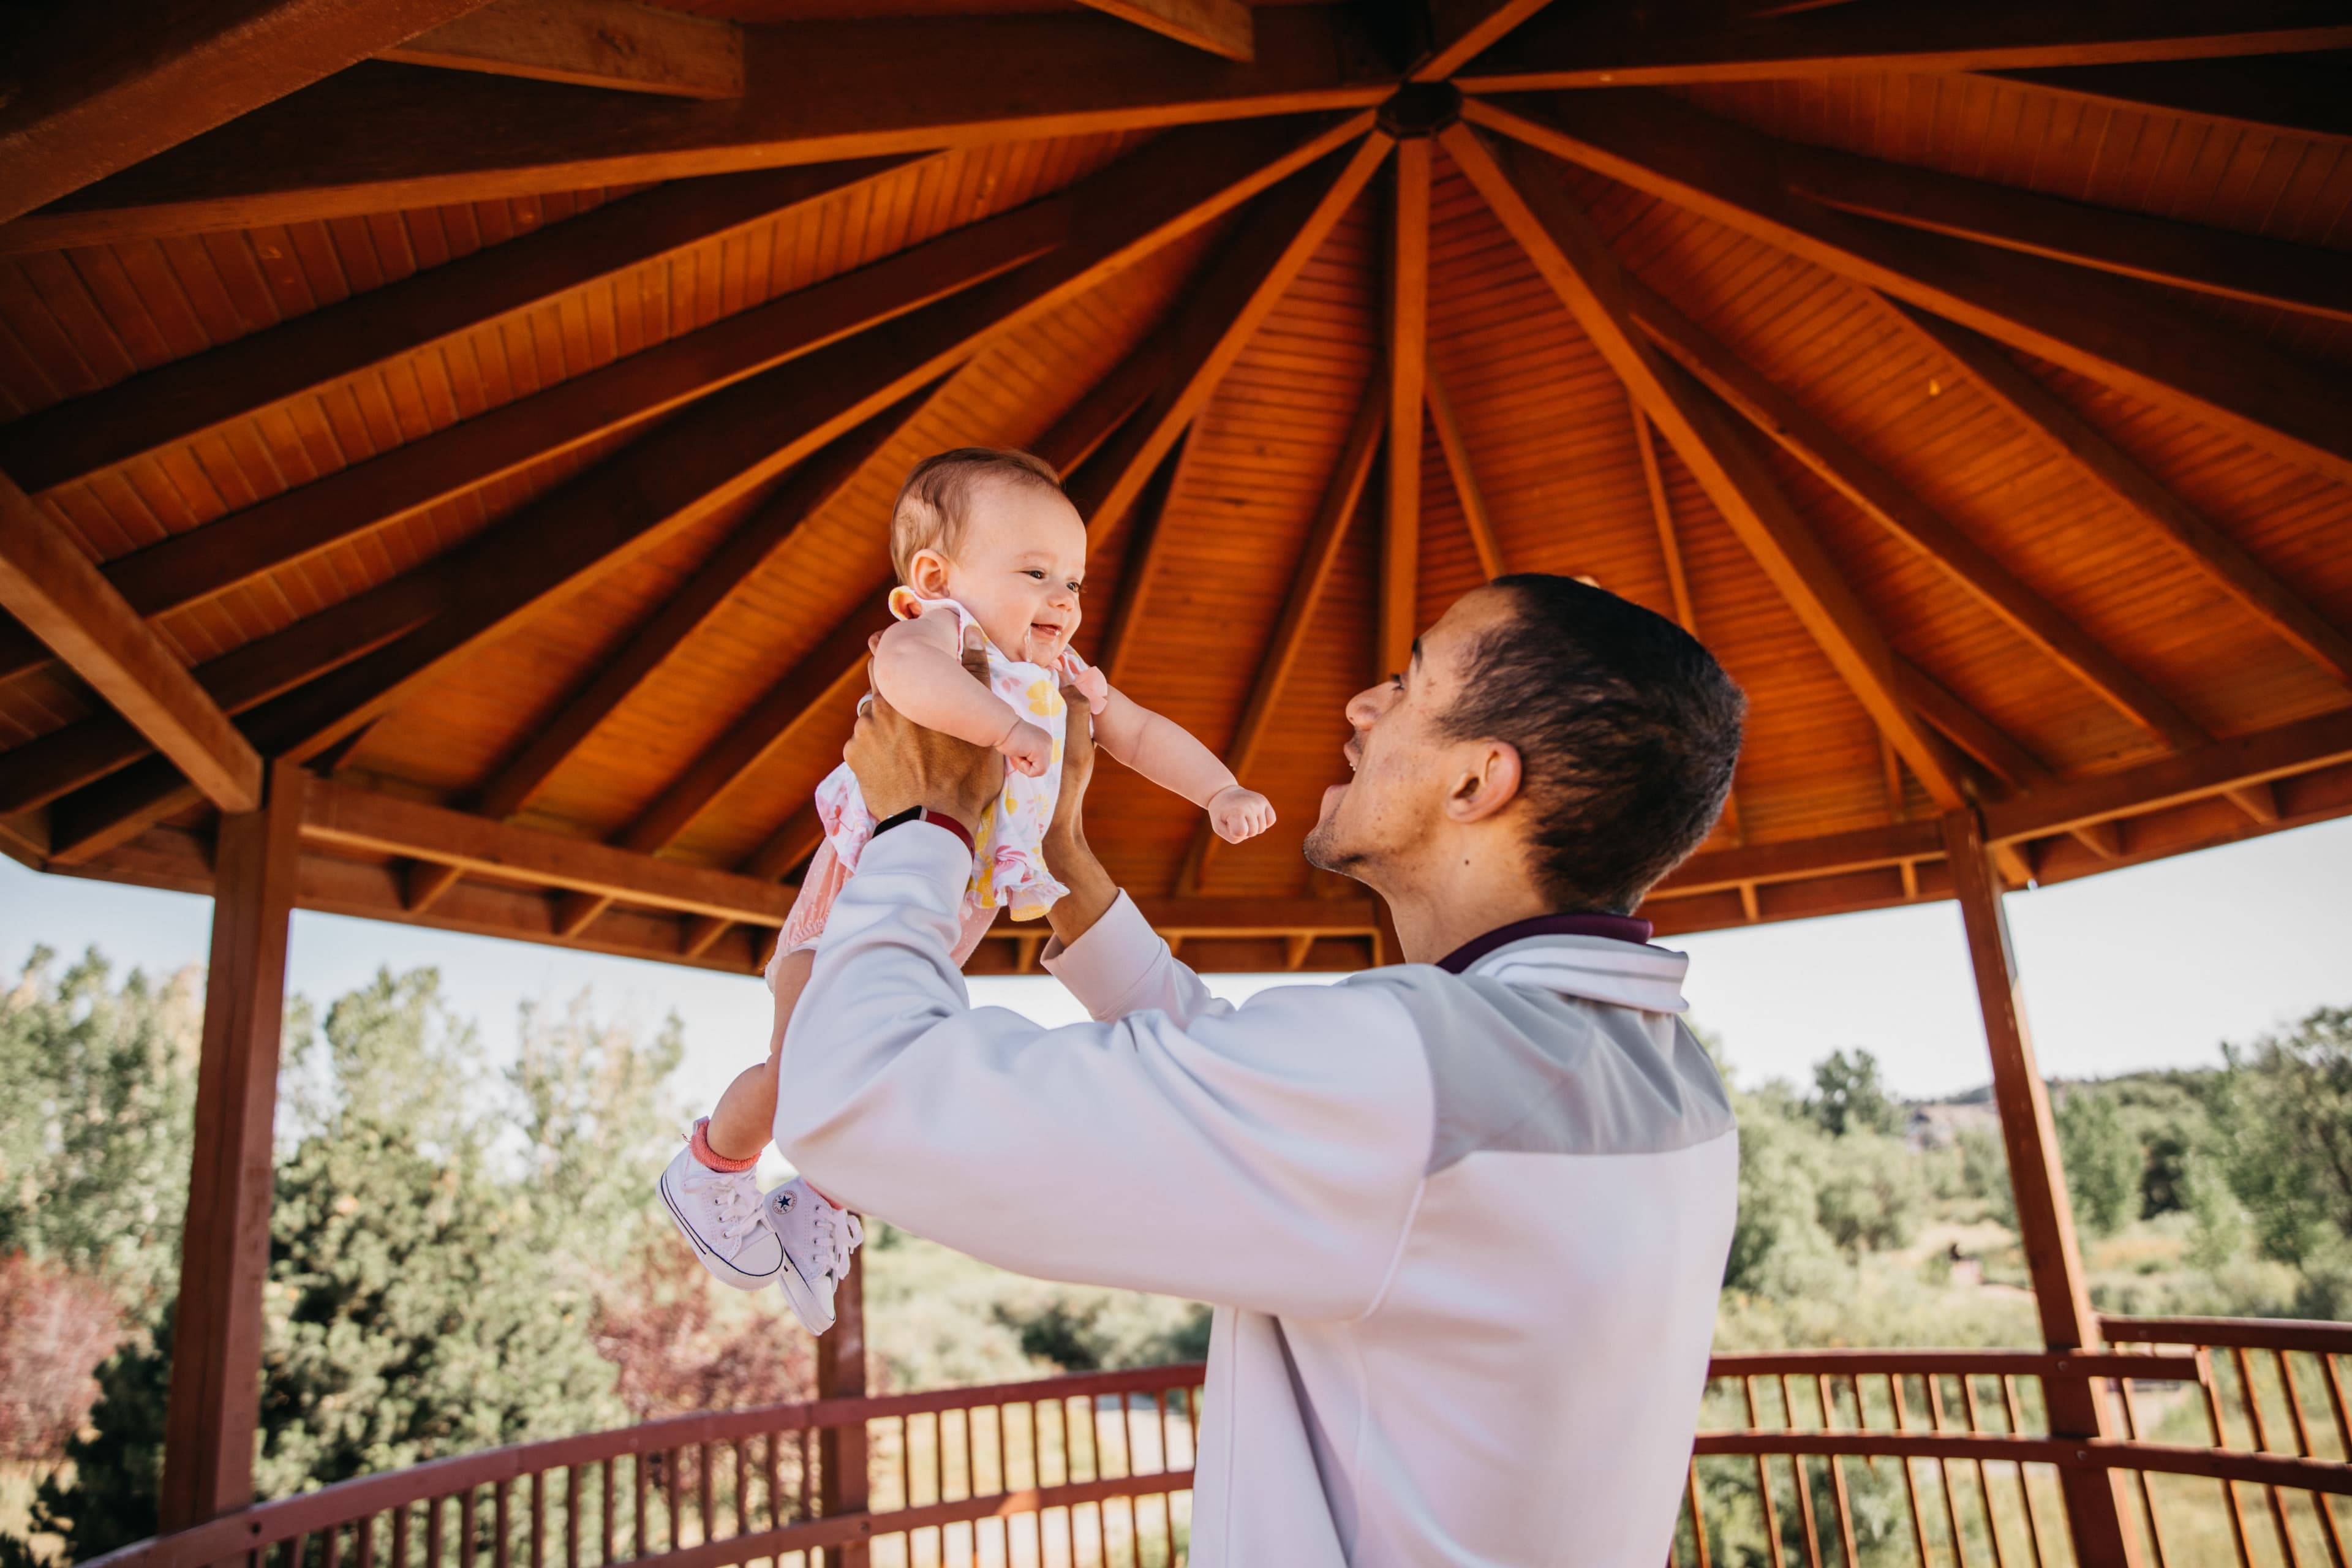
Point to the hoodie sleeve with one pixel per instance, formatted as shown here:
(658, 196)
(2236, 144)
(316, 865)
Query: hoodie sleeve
(1266, 1157)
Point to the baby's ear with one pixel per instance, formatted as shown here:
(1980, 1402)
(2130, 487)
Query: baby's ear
(927, 573)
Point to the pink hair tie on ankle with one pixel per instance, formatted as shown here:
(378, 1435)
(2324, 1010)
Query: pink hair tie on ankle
(706, 1155)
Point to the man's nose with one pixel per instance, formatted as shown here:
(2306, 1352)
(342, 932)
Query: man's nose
(1365, 707)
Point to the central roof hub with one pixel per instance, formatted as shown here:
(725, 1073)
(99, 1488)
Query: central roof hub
(1421, 109)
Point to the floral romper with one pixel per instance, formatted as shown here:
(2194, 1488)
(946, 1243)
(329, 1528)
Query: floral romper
(1008, 860)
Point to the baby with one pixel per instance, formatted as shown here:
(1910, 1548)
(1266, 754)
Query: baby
(984, 538)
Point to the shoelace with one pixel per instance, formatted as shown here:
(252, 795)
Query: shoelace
(738, 1212)
(839, 1233)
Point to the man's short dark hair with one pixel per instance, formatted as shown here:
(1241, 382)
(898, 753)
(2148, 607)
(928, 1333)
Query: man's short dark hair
(1626, 728)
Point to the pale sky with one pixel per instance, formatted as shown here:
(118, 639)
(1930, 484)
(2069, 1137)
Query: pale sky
(2152, 966)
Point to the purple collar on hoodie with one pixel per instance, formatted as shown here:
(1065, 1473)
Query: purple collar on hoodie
(1616, 928)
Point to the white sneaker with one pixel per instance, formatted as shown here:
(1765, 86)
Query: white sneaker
(719, 1215)
(818, 1239)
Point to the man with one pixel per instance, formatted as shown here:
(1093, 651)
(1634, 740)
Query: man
(1464, 1219)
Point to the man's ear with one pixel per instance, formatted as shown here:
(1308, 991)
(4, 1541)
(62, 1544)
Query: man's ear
(1488, 781)
(927, 574)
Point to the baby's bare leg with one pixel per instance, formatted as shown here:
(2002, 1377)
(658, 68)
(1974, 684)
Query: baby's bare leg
(746, 1117)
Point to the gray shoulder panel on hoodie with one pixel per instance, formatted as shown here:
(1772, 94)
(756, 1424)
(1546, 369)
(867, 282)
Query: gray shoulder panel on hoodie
(1523, 1070)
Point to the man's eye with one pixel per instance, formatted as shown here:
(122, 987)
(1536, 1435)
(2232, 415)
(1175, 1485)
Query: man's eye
(1396, 678)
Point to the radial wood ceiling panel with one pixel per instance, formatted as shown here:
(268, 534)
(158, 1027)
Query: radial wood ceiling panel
(559, 507)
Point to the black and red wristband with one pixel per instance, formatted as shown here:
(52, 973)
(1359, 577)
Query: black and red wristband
(925, 814)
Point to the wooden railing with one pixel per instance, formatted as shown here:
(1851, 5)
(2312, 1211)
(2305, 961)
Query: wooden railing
(1855, 1458)
(2235, 1438)
(1094, 1469)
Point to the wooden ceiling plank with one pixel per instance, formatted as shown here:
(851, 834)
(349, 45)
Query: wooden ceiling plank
(1406, 299)
(1221, 27)
(183, 399)
(1219, 315)
(2246, 267)
(1569, 255)
(1146, 542)
(1107, 405)
(2132, 336)
(1466, 489)
(824, 679)
(97, 93)
(1811, 442)
(2003, 757)
(2210, 550)
(102, 816)
(734, 441)
(610, 44)
(1461, 30)
(52, 587)
(744, 555)
(340, 816)
(383, 137)
(2280, 95)
(2210, 770)
(1593, 46)
(1317, 558)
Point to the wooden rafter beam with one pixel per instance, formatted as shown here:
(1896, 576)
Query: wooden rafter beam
(1342, 494)
(609, 401)
(1586, 47)
(365, 820)
(1661, 510)
(2124, 333)
(1406, 298)
(98, 95)
(2235, 265)
(382, 137)
(1570, 256)
(389, 638)
(1219, 315)
(2001, 756)
(757, 541)
(588, 43)
(1146, 542)
(1460, 30)
(2289, 95)
(49, 584)
(2216, 769)
(1107, 405)
(1811, 442)
(1218, 26)
(188, 397)
(1465, 474)
(2229, 565)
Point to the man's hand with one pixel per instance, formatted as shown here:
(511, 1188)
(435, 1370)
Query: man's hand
(899, 764)
(1067, 857)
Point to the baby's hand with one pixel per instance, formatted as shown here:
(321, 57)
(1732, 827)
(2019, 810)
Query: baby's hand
(1237, 813)
(1028, 748)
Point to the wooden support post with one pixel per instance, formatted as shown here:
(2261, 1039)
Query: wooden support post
(2096, 1499)
(841, 1375)
(208, 1432)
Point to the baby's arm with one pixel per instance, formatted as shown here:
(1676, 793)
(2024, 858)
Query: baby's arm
(919, 669)
(1171, 756)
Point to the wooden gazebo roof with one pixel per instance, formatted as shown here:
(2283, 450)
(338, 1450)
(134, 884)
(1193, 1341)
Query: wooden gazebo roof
(1976, 380)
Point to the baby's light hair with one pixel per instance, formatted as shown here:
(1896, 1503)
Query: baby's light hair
(936, 499)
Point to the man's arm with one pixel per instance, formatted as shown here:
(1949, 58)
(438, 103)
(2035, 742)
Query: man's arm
(1268, 1157)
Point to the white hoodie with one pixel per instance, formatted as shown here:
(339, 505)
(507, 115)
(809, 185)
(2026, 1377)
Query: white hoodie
(1463, 1234)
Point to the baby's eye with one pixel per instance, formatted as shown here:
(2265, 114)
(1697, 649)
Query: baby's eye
(1032, 572)
(1077, 588)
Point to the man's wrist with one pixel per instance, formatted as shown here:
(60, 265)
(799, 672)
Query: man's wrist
(936, 815)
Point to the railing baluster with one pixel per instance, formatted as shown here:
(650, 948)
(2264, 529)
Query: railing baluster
(1934, 1386)
(571, 1516)
(1910, 1486)
(468, 1528)
(432, 1532)
(1763, 1482)
(2015, 1411)
(2251, 1400)
(2209, 1380)
(2147, 1492)
(1804, 1482)
(400, 1536)
(1838, 1492)
(1698, 1518)
(501, 1522)
(2328, 1535)
(363, 1542)
(1984, 1483)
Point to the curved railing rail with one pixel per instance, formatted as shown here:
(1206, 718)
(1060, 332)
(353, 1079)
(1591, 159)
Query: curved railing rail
(2235, 1438)
(1055, 1456)
(1862, 1458)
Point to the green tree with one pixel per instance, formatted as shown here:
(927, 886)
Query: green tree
(1848, 1096)
(2104, 1161)
(443, 1245)
(2283, 1120)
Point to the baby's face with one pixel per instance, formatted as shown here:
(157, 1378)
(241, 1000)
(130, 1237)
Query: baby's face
(1017, 568)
